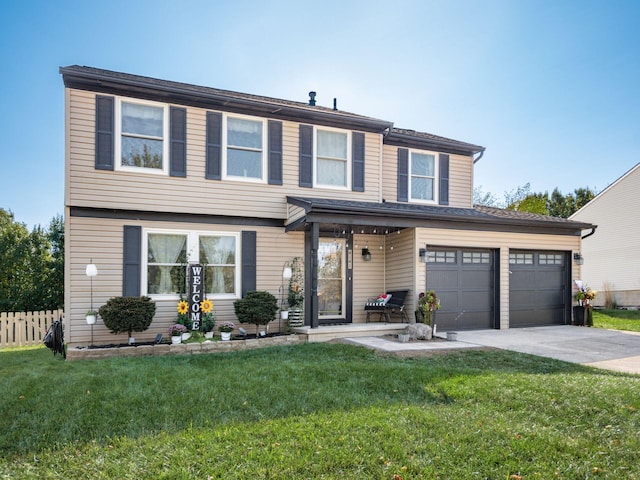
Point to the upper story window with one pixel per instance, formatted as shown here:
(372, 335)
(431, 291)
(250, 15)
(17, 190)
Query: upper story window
(332, 158)
(141, 133)
(167, 254)
(422, 186)
(245, 153)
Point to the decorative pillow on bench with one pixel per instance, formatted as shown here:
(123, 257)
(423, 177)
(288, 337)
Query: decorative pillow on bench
(383, 299)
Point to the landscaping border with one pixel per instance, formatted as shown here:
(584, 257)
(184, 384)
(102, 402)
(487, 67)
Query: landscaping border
(84, 353)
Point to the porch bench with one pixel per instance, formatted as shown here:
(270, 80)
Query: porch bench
(385, 310)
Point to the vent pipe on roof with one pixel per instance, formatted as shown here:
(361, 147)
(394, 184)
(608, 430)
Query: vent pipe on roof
(312, 99)
(335, 104)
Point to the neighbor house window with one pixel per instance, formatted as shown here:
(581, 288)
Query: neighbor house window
(168, 253)
(245, 152)
(332, 158)
(423, 176)
(142, 136)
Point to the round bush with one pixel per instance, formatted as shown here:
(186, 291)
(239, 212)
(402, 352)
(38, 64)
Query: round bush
(128, 314)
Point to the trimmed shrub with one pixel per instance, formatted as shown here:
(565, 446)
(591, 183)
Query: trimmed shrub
(257, 307)
(128, 314)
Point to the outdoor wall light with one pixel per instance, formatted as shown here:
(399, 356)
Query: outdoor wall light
(422, 253)
(366, 254)
(578, 258)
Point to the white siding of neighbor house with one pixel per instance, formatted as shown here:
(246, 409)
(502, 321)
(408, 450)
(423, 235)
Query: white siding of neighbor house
(460, 178)
(88, 187)
(611, 260)
(501, 241)
(101, 240)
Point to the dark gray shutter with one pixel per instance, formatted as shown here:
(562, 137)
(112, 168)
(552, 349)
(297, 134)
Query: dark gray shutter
(104, 132)
(357, 162)
(403, 175)
(132, 261)
(178, 154)
(214, 146)
(444, 179)
(275, 152)
(306, 156)
(249, 260)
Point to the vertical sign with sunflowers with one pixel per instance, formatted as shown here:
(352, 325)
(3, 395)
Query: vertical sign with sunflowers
(196, 281)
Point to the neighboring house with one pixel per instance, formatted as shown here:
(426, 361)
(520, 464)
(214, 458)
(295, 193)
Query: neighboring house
(160, 173)
(611, 261)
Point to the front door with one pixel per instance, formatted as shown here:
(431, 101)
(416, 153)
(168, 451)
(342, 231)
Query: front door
(331, 280)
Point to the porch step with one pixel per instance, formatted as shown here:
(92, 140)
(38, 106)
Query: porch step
(324, 333)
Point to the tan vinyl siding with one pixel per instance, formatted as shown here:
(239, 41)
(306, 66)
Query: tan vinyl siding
(460, 181)
(401, 265)
(460, 178)
(611, 255)
(502, 242)
(101, 240)
(89, 187)
(368, 277)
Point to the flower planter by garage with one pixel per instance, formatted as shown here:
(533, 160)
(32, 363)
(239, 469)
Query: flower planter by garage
(583, 316)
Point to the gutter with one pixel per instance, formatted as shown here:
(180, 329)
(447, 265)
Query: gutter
(593, 230)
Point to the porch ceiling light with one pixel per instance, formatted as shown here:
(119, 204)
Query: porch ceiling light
(366, 254)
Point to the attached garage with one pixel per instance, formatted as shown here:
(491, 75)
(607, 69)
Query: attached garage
(539, 283)
(465, 281)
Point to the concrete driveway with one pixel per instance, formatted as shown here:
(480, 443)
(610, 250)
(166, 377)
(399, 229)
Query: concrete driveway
(596, 347)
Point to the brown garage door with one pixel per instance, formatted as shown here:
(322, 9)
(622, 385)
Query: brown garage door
(539, 288)
(464, 280)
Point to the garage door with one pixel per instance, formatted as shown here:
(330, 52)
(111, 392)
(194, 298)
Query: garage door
(538, 288)
(464, 280)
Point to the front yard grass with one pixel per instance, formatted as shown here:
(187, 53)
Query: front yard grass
(617, 319)
(315, 411)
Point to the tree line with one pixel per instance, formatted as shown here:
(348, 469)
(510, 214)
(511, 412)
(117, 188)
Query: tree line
(31, 265)
(522, 199)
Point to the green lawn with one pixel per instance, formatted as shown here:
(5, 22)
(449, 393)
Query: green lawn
(617, 319)
(327, 411)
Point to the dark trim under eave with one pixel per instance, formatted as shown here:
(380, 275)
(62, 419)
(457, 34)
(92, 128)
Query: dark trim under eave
(88, 212)
(114, 83)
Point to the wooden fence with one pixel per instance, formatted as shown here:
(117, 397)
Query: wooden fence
(20, 329)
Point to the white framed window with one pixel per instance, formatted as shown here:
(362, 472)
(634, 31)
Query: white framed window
(332, 158)
(166, 254)
(245, 148)
(142, 136)
(423, 172)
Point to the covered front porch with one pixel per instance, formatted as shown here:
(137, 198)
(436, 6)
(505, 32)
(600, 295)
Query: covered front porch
(325, 333)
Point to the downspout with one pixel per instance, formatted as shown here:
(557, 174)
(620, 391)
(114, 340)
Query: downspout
(593, 230)
(476, 160)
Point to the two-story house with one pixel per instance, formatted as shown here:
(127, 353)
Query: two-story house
(161, 173)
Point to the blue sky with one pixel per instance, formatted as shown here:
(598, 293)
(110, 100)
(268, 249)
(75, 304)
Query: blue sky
(550, 88)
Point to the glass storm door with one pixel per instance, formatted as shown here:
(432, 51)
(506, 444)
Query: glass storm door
(331, 281)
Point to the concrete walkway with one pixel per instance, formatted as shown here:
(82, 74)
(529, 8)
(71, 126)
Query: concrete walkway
(596, 347)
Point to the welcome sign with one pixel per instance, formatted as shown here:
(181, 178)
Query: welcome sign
(196, 280)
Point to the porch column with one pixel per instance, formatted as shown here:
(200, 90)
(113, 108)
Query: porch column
(311, 242)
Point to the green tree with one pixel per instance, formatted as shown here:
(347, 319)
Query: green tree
(31, 265)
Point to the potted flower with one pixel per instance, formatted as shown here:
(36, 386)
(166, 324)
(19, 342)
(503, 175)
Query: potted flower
(428, 303)
(91, 316)
(208, 321)
(583, 313)
(225, 330)
(183, 317)
(175, 331)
